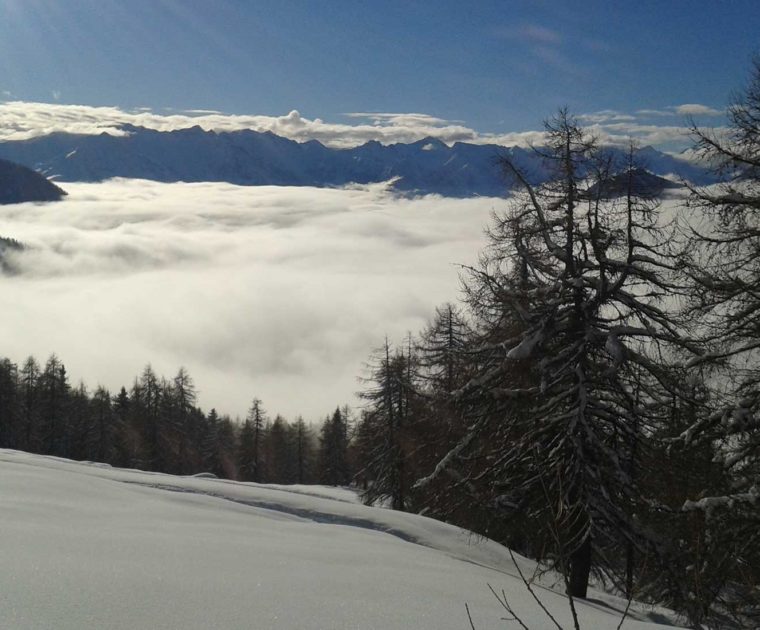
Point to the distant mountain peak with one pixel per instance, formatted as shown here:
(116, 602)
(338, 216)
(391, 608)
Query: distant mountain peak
(19, 184)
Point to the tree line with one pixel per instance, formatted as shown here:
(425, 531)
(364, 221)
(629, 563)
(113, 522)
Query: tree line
(156, 425)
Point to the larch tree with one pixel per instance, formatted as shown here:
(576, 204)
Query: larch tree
(250, 459)
(29, 384)
(10, 416)
(383, 431)
(333, 450)
(54, 392)
(302, 439)
(577, 334)
(723, 261)
(183, 397)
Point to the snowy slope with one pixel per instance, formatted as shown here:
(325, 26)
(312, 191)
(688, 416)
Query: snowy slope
(87, 546)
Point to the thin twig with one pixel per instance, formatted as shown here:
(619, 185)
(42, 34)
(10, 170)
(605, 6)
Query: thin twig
(505, 604)
(530, 590)
(625, 612)
(469, 616)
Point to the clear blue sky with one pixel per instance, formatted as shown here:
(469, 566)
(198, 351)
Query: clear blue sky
(496, 65)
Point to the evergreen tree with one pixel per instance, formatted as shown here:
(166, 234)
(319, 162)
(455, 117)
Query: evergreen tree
(182, 398)
(280, 458)
(53, 407)
(333, 452)
(30, 405)
(10, 408)
(147, 413)
(103, 425)
(79, 433)
(250, 459)
(384, 428)
(303, 440)
(247, 455)
(209, 444)
(126, 447)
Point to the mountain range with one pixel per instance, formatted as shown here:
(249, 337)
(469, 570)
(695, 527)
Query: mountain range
(253, 158)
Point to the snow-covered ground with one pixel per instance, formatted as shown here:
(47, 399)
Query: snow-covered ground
(86, 546)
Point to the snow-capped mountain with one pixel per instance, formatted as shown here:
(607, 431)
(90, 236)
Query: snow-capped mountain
(253, 158)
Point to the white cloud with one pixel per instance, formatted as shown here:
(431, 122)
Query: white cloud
(654, 112)
(695, 109)
(621, 133)
(275, 292)
(21, 120)
(399, 119)
(605, 116)
(687, 109)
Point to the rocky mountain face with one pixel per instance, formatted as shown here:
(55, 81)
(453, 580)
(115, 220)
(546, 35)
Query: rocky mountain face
(252, 158)
(19, 184)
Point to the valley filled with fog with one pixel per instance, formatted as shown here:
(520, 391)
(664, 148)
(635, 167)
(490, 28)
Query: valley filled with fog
(274, 292)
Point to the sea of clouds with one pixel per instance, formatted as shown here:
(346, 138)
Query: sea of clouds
(275, 292)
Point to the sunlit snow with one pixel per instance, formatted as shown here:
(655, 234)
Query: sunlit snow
(87, 546)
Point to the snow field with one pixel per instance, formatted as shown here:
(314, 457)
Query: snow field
(87, 546)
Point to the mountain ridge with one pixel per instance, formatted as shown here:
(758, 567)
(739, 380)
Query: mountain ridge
(248, 157)
(20, 183)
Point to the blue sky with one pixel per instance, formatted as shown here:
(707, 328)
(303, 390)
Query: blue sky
(497, 66)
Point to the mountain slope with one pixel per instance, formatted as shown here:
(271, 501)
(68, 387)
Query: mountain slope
(87, 546)
(19, 184)
(253, 158)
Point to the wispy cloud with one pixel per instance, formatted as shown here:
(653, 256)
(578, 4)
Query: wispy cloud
(538, 34)
(605, 116)
(400, 119)
(654, 112)
(687, 109)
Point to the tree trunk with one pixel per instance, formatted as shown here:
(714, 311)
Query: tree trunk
(580, 568)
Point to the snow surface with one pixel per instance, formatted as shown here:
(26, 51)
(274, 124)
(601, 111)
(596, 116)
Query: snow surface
(88, 546)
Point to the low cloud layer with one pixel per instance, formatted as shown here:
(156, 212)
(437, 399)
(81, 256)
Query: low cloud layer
(273, 292)
(21, 120)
